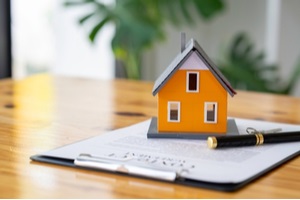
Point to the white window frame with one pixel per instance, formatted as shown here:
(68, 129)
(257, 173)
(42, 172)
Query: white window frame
(169, 111)
(188, 81)
(205, 112)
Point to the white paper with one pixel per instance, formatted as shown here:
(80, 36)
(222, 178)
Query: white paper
(190, 158)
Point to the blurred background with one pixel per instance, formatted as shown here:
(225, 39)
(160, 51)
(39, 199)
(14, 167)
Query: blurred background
(254, 43)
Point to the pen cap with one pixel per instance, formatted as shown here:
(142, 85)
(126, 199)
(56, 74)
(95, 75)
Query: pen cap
(232, 141)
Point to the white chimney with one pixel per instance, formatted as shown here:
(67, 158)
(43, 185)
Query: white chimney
(182, 35)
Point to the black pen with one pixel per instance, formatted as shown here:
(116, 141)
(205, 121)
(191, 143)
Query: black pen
(252, 139)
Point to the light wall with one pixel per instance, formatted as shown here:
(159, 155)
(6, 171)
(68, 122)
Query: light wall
(74, 54)
(47, 38)
(289, 39)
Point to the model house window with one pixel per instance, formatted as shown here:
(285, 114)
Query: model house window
(210, 112)
(192, 83)
(173, 111)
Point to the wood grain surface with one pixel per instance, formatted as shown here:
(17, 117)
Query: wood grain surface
(43, 112)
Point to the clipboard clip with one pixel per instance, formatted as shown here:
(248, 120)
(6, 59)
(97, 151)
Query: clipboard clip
(94, 162)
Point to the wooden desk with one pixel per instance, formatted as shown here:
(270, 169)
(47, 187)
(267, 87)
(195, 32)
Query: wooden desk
(43, 112)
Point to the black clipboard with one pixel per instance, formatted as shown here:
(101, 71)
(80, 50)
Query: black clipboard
(59, 156)
(227, 187)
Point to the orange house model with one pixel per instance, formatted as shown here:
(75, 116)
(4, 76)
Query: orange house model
(192, 97)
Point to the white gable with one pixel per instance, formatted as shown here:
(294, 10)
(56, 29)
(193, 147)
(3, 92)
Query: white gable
(193, 62)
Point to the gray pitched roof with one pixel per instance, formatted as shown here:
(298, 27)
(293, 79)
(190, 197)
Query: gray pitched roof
(191, 47)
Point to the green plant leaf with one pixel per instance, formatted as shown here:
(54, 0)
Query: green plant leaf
(185, 11)
(208, 8)
(78, 2)
(246, 69)
(171, 11)
(96, 29)
(86, 17)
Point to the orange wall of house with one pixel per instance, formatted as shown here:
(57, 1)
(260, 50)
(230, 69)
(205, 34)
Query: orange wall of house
(192, 104)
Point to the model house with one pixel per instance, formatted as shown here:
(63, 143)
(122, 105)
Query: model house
(192, 94)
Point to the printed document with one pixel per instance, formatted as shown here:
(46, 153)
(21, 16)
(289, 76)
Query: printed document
(191, 159)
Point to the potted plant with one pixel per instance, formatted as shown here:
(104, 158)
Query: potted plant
(140, 23)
